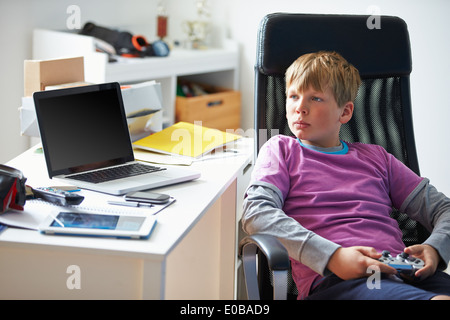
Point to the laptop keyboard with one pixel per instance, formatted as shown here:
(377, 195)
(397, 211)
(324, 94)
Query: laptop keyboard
(104, 175)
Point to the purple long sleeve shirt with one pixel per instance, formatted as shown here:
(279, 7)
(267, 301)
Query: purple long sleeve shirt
(345, 197)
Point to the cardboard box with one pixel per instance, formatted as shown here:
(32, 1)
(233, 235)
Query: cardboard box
(41, 73)
(219, 110)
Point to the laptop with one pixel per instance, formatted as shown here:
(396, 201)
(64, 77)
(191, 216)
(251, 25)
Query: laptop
(87, 144)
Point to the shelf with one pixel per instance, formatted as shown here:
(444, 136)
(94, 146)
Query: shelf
(219, 67)
(180, 62)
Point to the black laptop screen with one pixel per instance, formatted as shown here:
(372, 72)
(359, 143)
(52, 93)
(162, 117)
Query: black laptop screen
(83, 128)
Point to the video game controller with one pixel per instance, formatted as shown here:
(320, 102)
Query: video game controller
(403, 263)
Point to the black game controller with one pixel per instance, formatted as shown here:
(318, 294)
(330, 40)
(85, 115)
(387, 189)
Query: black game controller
(403, 263)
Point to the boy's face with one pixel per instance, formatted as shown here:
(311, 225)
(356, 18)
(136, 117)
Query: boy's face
(315, 117)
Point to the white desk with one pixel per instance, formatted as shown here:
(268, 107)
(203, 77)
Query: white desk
(191, 253)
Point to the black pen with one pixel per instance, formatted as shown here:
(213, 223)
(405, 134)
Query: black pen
(130, 204)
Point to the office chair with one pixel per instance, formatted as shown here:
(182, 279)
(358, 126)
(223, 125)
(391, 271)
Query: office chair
(382, 113)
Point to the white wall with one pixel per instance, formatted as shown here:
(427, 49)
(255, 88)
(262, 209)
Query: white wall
(239, 19)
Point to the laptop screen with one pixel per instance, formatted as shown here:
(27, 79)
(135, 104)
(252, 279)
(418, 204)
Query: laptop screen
(83, 128)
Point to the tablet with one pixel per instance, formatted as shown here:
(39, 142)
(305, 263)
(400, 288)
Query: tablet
(98, 224)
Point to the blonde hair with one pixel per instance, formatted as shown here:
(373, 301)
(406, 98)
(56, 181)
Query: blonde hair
(325, 69)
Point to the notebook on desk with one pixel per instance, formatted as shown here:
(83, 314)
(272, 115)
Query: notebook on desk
(86, 142)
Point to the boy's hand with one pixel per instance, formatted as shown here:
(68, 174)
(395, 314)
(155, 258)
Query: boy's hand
(353, 262)
(430, 257)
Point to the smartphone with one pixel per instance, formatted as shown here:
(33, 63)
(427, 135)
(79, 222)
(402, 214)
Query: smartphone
(150, 197)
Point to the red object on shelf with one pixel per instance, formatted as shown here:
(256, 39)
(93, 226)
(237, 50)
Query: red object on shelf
(162, 26)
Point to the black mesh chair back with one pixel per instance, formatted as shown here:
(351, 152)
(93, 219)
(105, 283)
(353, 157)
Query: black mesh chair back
(382, 113)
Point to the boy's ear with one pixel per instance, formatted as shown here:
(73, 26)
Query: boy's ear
(347, 112)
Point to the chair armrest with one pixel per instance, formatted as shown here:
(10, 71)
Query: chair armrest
(276, 254)
(277, 259)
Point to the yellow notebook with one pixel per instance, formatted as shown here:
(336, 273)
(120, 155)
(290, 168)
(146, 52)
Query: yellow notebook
(186, 139)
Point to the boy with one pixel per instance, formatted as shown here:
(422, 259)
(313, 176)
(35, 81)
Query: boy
(329, 201)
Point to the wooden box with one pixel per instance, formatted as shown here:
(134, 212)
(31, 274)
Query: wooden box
(219, 110)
